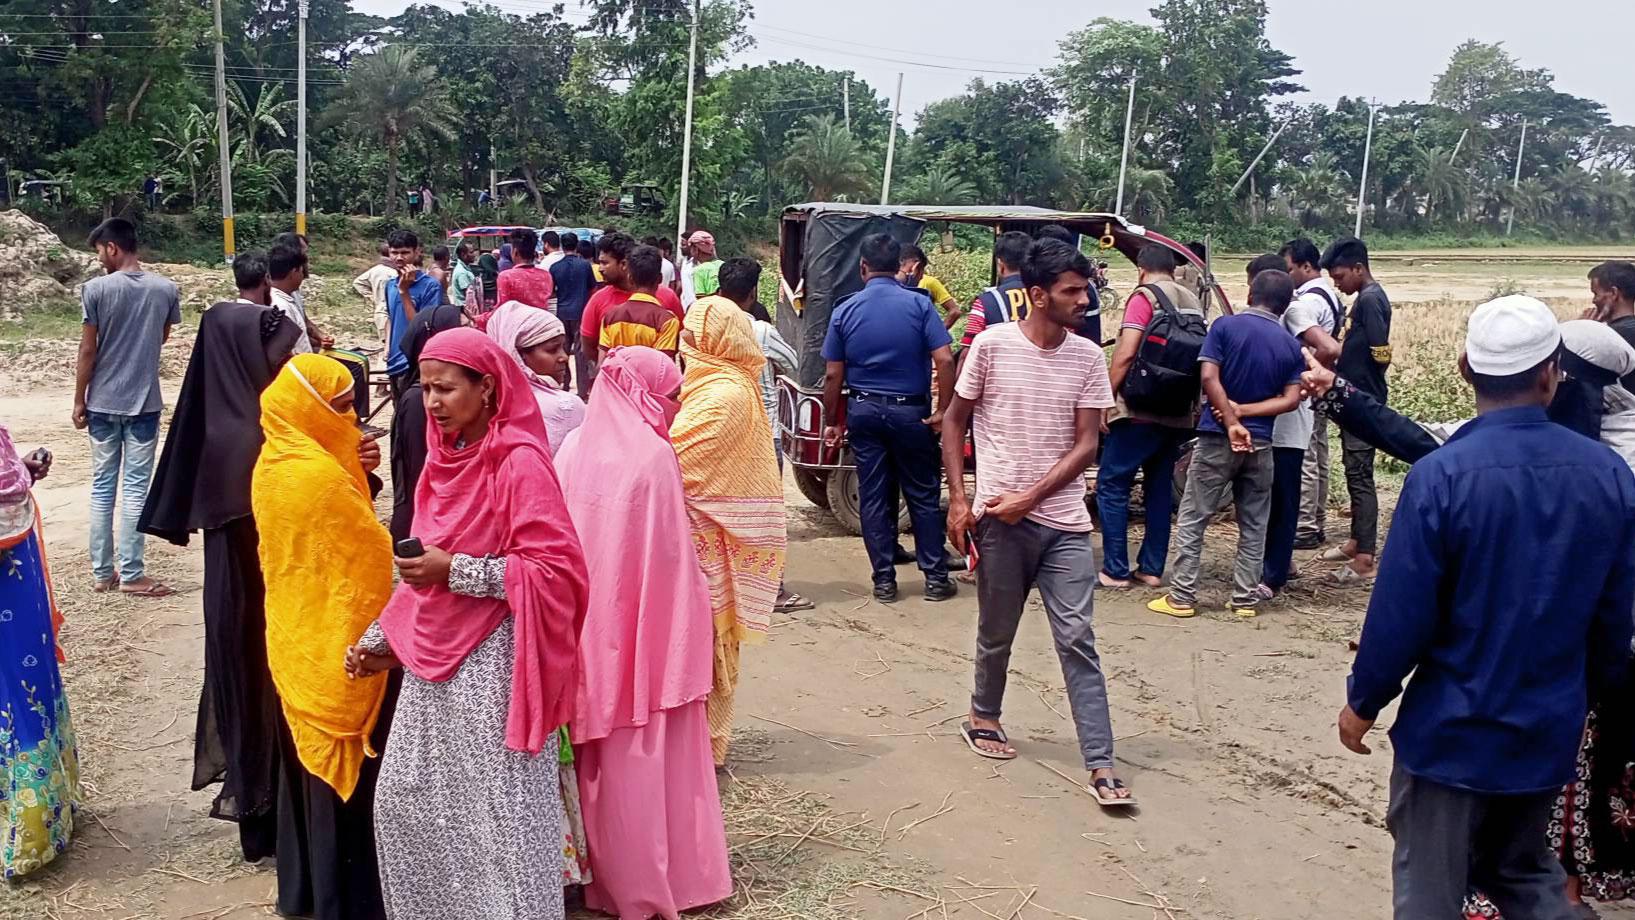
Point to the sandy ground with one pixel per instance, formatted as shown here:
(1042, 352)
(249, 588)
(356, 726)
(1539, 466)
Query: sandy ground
(1249, 806)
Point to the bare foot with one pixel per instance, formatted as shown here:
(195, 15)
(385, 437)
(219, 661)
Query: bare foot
(1108, 581)
(1363, 564)
(1118, 790)
(992, 747)
(1151, 581)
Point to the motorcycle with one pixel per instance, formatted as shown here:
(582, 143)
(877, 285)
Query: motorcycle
(1105, 292)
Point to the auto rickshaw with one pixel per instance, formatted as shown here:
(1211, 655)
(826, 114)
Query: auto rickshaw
(818, 258)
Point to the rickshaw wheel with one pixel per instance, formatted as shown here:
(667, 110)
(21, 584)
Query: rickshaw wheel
(814, 485)
(847, 508)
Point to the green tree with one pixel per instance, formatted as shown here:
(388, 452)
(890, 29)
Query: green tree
(185, 144)
(1001, 139)
(826, 159)
(393, 97)
(940, 184)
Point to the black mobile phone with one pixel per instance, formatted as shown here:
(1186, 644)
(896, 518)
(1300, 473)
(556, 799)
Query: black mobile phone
(410, 548)
(372, 432)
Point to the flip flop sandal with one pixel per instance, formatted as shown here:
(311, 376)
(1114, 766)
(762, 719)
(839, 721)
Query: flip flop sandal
(793, 603)
(157, 589)
(1109, 800)
(1333, 554)
(1163, 605)
(103, 587)
(973, 735)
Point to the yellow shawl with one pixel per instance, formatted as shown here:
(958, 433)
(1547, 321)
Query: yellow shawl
(327, 563)
(729, 470)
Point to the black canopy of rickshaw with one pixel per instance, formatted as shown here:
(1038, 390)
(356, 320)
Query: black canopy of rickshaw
(820, 243)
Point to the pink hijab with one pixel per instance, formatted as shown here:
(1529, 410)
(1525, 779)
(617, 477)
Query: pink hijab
(648, 642)
(515, 326)
(497, 497)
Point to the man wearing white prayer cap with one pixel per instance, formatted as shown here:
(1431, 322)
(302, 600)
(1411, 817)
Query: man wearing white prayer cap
(1505, 590)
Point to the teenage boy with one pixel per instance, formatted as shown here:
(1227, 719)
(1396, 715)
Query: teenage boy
(1506, 596)
(1035, 383)
(641, 320)
(1143, 442)
(414, 291)
(372, 285)
(524, 281)
(1309, 320)
(1365, 354)
(612, 254)
(1312, 291)
(128, 314)
(1251, 374)
(912, 273)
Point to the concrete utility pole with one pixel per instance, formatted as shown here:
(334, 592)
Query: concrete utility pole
(1259, 156)
(1515, 182)
(1456, 147)
(891, 142)
(1362, 188)
(301, 122)
(221, 142)
(846, 100)
(1124, 154)
(687, 129)
(493, 179)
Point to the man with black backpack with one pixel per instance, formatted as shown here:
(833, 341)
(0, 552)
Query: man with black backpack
(1155, 379)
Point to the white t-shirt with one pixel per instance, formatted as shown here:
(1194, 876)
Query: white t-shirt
(688, 295)
(292, 306)
(1025, 400)
(667, 270)
(1293, 429)
(546, 263)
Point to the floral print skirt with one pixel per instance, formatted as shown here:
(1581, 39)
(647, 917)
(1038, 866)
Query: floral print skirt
(39, 761)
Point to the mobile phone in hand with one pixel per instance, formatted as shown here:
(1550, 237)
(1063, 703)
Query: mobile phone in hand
(972, 555)
(410, 548)
(373, 433)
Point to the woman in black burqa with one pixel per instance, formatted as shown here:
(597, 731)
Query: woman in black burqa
(203, 484)
(409, 416)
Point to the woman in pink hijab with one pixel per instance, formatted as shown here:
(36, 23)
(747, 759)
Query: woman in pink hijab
(646, 776)
(538, 342)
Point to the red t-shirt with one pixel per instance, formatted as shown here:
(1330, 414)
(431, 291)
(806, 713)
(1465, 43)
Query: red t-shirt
(529, 284)
(1137, 311)
(605, 299)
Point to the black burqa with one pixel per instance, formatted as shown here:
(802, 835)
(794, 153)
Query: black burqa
(203, 484)
(409, 416)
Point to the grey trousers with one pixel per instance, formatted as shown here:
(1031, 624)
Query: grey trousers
(1016, 558)
(1314, 477)
(1216, 473)
(1449, 841)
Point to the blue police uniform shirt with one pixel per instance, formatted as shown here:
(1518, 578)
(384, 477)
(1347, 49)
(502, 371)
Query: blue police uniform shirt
(885, 334)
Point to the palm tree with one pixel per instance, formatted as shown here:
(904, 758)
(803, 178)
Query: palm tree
(1614, 198)
(1574, 192)
(1146, 195)
(828, 159)
(939, 185)
(264, 115)
(1316, 190)
(1441, 182)
(1531, 198)
(186, 142)
(391, 97)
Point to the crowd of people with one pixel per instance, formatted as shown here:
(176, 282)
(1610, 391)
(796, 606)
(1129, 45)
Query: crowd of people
(523, 684)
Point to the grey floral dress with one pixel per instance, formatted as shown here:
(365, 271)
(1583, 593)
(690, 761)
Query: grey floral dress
(464, 827)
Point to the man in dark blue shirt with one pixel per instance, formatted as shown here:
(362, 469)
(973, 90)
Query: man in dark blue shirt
(573, 279)
(881, 344)
(1507, 591)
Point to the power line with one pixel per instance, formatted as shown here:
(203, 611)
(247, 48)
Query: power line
(909, 51)
(898, 61)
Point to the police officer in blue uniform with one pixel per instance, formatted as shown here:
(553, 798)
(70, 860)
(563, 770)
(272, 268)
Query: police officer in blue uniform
(881, 344)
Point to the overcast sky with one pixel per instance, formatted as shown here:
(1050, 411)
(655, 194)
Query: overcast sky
(1393, 50)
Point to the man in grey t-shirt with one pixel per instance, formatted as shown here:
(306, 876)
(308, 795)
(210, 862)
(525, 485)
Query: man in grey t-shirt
(128, 315)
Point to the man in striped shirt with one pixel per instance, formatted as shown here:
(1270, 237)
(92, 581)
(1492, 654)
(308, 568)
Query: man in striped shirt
(1036, 392)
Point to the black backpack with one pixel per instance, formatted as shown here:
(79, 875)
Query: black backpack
(1165, 377)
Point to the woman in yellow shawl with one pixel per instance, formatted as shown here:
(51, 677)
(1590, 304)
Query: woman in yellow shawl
(734, 495)
(327, 562)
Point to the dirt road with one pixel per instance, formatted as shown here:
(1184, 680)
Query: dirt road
(1226, 727)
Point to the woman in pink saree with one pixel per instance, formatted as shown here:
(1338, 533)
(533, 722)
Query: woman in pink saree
(646, 776)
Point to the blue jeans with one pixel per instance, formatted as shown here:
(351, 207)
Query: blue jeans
(1152, 449)
(895, 449)
(122, 450)
(1287, 463)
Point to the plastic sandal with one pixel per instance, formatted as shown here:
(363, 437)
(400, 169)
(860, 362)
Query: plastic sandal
(973, 735)
(1110, 800)
(1166, 607)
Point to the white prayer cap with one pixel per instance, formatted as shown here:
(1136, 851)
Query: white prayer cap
(1510, 335)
